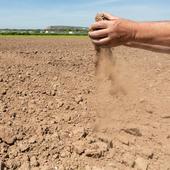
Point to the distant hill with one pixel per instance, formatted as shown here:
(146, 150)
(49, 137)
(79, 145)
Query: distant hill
(52, 30)
(68, 28)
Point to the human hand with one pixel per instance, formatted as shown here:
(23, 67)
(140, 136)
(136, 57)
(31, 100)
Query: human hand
(112, 31)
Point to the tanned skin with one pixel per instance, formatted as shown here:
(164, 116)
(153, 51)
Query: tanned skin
(115, 31)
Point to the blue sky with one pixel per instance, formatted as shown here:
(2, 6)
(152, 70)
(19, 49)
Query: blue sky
(42, 13)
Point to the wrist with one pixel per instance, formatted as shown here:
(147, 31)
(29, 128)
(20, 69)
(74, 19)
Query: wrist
(143, 33)
(128, 30)
(134, 30)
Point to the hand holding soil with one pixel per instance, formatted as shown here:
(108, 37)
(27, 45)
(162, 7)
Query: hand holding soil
(112, 31)
(106, 62)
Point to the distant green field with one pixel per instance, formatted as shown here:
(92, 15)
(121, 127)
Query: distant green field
(43, 36)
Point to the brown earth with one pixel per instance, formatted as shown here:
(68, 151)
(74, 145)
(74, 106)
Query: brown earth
(54, 116)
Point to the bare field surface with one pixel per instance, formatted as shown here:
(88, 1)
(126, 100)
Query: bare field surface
(55, 115)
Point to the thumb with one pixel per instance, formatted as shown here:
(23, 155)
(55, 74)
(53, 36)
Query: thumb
(109, 16)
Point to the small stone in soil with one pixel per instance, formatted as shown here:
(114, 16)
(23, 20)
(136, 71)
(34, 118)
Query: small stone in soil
(25, 166)
(34, 162)
(93, 153)
(80, 132)
(24, 147)
(78, 99)
(2, 165)
(133, 131)
(79, 147)
(141, 164)
(7, 135)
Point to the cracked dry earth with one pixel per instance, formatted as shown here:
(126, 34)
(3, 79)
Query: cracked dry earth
(53, 116)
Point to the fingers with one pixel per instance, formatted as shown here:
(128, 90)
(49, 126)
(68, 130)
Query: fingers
(98, 25)
(99, 31)
(109, 16)
(98, 34)
(101, 42)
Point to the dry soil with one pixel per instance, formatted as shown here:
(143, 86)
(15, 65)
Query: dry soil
(54, 116)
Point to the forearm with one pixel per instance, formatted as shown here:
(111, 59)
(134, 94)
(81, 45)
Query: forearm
(150, 47)
(157, 33)
(115, 31)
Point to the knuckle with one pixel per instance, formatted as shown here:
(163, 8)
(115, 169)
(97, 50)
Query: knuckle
(92, 34)
(97, 34)
(104, 23)
(89, 34)
(94, 41)
(109, 38)
(90, 28)
(99, 43)
(106, 43)
(110, 30)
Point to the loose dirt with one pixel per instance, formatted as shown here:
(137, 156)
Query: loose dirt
(107, 78)
(50, 112)
(106, 61)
